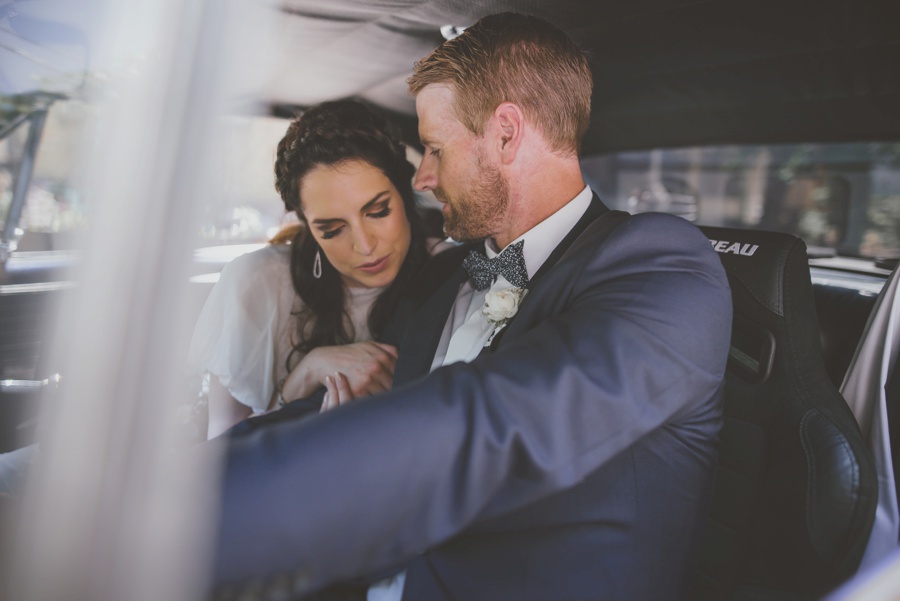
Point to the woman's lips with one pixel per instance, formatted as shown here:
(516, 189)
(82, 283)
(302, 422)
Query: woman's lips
(375, 266)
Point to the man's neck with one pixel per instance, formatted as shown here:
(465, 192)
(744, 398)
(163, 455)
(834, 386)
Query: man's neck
(537, 197)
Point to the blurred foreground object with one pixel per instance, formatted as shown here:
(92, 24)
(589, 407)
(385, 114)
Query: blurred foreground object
(116, 507)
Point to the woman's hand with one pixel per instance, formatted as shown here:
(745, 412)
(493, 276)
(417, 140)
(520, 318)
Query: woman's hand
(367, 367)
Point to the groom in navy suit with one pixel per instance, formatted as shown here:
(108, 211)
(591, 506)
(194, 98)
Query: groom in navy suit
(553, 427)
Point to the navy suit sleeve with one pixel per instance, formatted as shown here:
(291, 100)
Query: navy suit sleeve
(619, 339)
(301, 408)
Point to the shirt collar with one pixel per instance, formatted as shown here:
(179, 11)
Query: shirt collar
(545, 236)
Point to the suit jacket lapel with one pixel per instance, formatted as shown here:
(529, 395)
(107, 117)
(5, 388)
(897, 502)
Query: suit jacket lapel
(594, 211)
(423, 333)
(426, 326)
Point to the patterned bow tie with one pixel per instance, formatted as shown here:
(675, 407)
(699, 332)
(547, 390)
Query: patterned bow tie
(510, 264)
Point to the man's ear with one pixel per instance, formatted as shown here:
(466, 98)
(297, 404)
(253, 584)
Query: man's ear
(511, 124)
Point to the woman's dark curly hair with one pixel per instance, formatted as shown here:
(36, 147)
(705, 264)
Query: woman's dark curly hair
(329, 134)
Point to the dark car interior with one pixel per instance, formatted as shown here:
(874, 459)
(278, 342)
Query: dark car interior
(796, 487)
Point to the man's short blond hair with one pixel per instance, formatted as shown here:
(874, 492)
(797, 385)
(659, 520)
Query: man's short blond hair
(515, 58)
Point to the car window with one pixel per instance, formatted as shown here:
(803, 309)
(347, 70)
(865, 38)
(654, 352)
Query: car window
(245, 209)
(12, 148)
(54, 208)
(840, 198)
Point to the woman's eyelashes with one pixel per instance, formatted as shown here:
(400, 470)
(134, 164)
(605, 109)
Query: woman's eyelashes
(381, 213)
(329, 234)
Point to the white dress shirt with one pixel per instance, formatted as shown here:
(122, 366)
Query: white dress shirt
(467, 331)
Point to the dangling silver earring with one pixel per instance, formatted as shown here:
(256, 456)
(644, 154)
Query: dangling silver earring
(317, 265)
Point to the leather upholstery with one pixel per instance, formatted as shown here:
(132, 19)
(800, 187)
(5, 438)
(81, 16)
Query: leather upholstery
(795, 490)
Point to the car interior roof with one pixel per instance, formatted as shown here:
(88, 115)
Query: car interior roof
(666, 74)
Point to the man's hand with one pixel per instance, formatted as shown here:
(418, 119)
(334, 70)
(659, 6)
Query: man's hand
(337, 392)
(367, 368)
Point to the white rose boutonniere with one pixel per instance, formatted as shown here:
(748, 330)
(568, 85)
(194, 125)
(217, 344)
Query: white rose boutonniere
(500, 306)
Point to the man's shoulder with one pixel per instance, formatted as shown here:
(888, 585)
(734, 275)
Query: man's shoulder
(640, 243)
(643, 231)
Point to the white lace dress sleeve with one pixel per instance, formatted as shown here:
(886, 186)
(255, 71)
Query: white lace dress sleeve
(243, 335)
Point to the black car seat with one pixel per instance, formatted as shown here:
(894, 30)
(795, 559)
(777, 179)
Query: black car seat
(796, 490)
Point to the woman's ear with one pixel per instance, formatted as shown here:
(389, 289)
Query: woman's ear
(511, 125)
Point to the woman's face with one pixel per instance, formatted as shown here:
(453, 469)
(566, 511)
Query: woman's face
(356, 215)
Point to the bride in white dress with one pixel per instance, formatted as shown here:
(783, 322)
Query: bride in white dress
(284, 318)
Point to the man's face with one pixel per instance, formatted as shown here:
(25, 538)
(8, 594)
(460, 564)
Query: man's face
(456, 167)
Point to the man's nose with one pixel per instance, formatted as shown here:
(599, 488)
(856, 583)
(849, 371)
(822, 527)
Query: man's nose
(425, 179)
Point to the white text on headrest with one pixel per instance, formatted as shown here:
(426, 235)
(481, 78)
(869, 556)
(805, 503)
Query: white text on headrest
(733, 248)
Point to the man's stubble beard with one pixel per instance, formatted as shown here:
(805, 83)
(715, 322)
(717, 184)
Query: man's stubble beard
(479, 211)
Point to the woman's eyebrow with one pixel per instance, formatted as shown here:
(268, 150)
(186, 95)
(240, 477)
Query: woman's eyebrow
(368, 206)
(326, 221)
